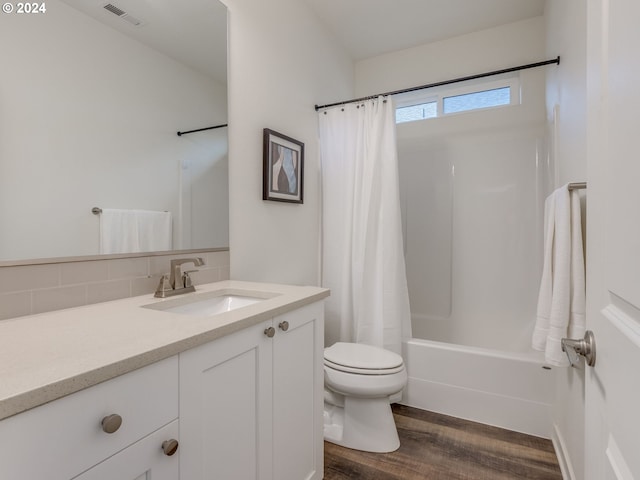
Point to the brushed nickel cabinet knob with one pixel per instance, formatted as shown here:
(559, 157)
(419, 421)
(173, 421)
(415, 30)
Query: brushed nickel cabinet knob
(270, 332)
(169, 447)
(284, 326)
(111, 423)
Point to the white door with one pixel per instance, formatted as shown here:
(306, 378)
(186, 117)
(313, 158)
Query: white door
(613, 240)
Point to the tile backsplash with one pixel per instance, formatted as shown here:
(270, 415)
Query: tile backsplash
(28, 289)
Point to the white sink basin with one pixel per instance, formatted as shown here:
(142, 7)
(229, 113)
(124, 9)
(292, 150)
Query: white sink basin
(207, 304)
(215, 305)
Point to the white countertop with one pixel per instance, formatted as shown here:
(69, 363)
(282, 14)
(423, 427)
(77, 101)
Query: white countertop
(47, 356)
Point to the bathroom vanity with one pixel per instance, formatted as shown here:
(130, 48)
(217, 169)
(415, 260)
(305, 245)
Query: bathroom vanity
(137, 389)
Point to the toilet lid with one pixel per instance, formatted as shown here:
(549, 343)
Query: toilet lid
(361, 357)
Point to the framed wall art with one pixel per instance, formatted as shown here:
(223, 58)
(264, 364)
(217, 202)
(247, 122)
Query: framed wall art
(283, 168)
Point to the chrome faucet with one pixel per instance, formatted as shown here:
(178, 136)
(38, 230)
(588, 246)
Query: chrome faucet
(177, 282)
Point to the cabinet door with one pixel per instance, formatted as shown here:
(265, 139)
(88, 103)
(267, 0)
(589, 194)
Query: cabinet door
(225, 408)
(144, 460)
(298, 394)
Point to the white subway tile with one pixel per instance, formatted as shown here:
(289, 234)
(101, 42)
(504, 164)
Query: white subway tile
(160, 265)
(82, 272)
(217, 259)
(15, 305)
(128, 268)
(29, 277)
(39, 288)
(106, 291)
(205, 275)
(59, 298)
(144, 286)
(225, 273)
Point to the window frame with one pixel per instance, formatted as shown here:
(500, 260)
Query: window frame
(438, 94)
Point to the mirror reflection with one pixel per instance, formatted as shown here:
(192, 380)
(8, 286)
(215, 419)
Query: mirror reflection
(92, 96)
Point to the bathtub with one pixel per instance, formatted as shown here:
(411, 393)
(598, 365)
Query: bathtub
(506, 389)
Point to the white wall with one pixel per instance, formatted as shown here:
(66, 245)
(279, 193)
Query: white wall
(89, 118)
(493, 49)
(566, 26)
(282, 62)
(277, 75)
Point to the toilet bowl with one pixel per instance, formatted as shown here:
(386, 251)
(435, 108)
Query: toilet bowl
(359, 381)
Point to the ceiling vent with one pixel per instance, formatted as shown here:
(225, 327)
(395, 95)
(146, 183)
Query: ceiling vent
(122, 14)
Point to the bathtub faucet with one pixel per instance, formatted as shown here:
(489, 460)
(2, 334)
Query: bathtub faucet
(177, 282)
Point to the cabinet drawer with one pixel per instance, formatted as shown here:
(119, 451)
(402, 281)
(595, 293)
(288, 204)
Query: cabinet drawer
(144, 459)
(63, 438)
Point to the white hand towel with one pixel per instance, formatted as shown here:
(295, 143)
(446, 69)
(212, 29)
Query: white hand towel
(541, 330)
(130, 231)
(577, 319)
(561, 301)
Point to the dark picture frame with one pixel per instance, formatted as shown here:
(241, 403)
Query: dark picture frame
(283, 168)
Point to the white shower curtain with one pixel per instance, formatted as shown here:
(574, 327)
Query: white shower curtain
(362, 249)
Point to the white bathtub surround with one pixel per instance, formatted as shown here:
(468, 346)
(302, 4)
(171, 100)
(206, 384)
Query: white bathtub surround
(362, 254)
(561, 301)
(132, 231)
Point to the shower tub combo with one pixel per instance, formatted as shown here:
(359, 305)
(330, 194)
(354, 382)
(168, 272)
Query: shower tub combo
(472, 196)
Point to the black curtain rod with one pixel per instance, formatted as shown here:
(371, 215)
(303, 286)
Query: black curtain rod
(445, 82)
(202, 129)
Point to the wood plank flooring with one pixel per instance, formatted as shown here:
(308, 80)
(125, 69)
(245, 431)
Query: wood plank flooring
(434, 446)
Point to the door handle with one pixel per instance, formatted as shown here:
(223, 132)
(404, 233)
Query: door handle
(583, 347)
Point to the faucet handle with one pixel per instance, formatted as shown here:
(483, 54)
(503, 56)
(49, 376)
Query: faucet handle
(186, 278)
(163, 287)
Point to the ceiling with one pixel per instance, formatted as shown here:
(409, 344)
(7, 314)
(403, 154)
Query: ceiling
(193, 32)
(367, 28)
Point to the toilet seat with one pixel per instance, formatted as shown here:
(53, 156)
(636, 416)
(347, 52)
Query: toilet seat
(363, 371)
(362, 359)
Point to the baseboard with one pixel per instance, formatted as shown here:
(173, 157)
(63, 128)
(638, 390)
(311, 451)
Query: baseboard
(563, 455)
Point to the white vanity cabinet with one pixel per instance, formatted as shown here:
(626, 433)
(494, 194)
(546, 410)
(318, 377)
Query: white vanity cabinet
(251, 402)
(246, 405)
(66, 438)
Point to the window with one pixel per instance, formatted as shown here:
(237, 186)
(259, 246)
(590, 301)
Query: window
(416, 112)
(477, 100)
(431, 103)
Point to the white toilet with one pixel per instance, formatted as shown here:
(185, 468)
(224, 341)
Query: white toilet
(359, 381)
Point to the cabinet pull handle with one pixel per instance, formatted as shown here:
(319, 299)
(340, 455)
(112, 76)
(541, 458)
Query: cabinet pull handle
(284, 326)
(111, 423)
(169, 447)
(270, 332)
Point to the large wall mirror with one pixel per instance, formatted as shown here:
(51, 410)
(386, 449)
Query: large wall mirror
(92, 95)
